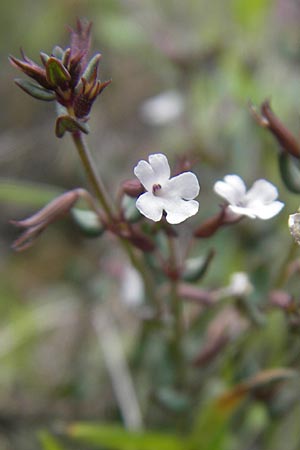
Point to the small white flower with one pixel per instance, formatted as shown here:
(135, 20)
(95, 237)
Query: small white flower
(259, 201)
(172, 195)
(132, 288)
(240, 285)
(163, 108)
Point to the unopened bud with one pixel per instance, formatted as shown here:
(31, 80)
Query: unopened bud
(142, 242)
(133, 188)
(294, 226)
(282, 300)
(37, 223)
(269, 120)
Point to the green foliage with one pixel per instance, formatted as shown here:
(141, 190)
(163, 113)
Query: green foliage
(26, 193)
(115, 437)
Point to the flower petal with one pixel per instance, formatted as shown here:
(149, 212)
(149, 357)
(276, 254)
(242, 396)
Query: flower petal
(185, 185)
(179, 210)
(236, 182)
(265, 212)
(262, 191)
(233, 189)
(150, 206)
(144, 172)
(160, 166)
(242, 211)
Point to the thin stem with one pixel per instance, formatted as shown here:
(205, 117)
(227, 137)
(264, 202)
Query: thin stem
(95, 180)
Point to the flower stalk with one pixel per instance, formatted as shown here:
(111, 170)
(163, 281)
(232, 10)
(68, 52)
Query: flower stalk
(95, 180)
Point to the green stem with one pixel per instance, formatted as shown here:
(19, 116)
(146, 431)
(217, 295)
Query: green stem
(89, 166)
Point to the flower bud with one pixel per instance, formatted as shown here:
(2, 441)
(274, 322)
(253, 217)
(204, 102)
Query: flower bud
(294, 226)
(284, 137)
(133, 188)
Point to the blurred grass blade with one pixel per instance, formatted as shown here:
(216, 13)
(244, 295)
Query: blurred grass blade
(211, 430)
(27, 193)
(261, 379)
(114, 437)
(49, 442)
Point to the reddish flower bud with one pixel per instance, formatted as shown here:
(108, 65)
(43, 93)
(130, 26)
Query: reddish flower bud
(37, 223)
(269, 120)
(133, 188)
(66, 75)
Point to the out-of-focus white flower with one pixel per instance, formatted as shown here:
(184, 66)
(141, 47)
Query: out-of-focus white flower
(172, 195)
(162, 108)
(294, 226)
(239, 284)
(259, 201)
(132, 288)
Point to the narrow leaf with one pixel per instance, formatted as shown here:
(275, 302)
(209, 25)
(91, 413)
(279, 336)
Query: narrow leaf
(289, 172)
(57, 74)
(114, 437)
(67, 123)
(35, 90)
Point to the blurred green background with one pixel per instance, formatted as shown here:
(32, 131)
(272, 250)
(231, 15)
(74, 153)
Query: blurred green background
(201, 61)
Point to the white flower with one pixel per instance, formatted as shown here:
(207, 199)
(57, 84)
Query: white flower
(240, 285)
(163, 108)
(172, 195)
(132, 287)
(259, 201)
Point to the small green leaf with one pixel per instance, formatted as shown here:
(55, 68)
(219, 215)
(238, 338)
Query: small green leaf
(195, 268)
(44, 57)
(114, 437)
(58, 52)
(57, 74)
(88, 222)
(91, 68)
(289, 172)
(67, 123)
(35, 90)
(131, 212)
